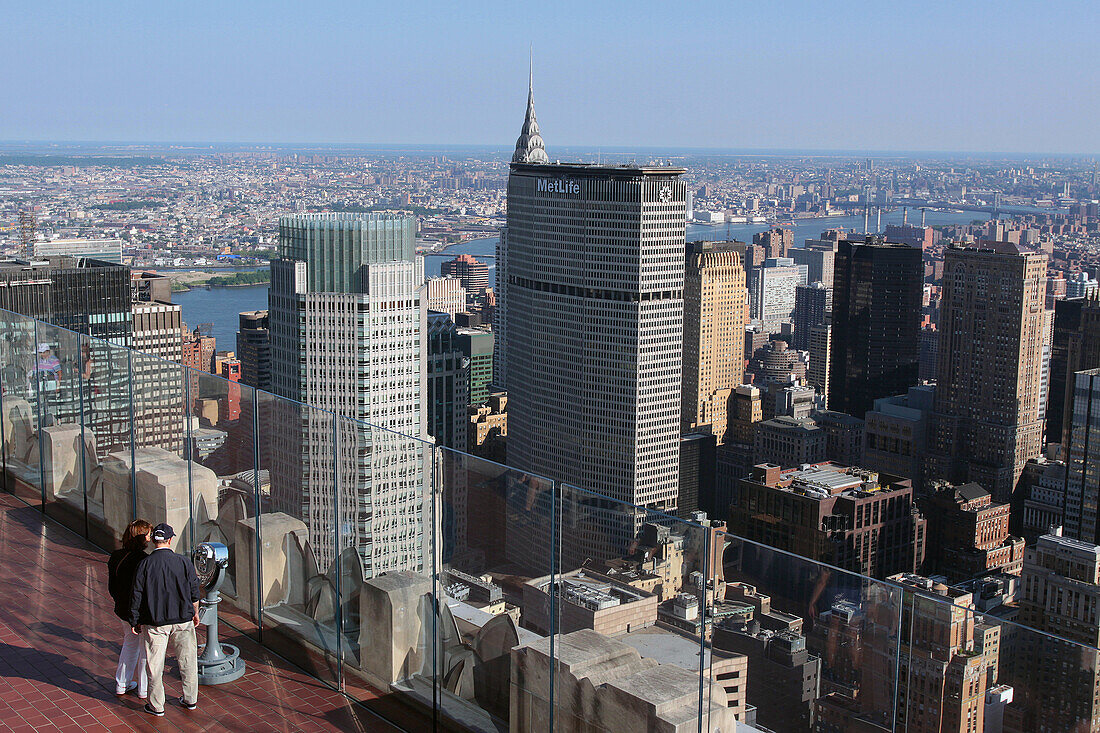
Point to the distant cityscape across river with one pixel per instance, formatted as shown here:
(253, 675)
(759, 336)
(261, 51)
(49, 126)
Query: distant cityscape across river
(220, 306)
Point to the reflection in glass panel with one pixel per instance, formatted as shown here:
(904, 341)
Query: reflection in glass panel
(65, 456)
(108, 417)
(20, 416)
(220, 438)
(168, 485)
(1054, 681)
(819, 645)
(494, 558)
(385, 507)
(643, 605)
(287, 572)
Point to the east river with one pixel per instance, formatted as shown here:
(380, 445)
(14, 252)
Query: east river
(220, 306)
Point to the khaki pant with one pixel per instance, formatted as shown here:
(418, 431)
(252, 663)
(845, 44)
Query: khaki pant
(185, 645)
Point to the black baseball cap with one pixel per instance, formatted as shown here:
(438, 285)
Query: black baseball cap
(163, 532)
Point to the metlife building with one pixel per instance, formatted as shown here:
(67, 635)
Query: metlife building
(594, 286)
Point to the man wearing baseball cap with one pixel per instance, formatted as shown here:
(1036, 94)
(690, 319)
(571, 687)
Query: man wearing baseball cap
(165, 607)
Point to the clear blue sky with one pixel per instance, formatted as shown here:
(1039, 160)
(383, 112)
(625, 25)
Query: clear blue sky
(932, 75)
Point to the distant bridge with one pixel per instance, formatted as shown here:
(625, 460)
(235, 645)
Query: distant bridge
(928, 204)
(446, 253)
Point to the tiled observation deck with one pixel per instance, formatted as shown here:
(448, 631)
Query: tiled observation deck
(59, 643)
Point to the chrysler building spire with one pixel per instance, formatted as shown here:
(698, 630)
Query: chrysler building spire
(529, 145)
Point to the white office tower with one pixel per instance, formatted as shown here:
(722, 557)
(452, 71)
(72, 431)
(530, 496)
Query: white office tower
(346, 325)
(445, 295)
(594, 292)
(772, 292)
(104, 250)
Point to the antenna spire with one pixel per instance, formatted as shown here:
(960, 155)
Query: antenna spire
(530, 147)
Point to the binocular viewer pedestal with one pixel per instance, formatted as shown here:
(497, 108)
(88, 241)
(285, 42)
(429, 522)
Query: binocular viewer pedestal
(218, 663)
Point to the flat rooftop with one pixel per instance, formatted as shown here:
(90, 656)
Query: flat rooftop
(825, 479)
(593, 170)
(667, 647)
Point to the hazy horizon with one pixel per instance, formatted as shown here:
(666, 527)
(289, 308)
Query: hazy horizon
(57, 147)
(1016, 77)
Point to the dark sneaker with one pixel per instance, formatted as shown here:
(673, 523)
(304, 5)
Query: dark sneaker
(153, 711)
(188, 705)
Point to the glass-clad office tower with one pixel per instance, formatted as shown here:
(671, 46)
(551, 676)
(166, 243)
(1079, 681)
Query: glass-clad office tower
(345, 325)
(876, 314)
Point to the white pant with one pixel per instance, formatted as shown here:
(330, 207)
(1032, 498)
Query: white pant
(131, 661)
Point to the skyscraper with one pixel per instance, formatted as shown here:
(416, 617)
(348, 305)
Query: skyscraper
(476, 346)
(594, 330)
(1081, 508)
(346, 337)
(1067, 324)
(473, 274)
(1075, 347)
(447, 383)
(445, 295)
(86, 296)
(199, 348)
(819, 257)
(159, 403)
(817, 373)
(714, 334)
(771, 293)
(947, 658)
(876, 323)
(254, 349)
(986, 419)
(811, 308)
(896, 432)
(777, 242)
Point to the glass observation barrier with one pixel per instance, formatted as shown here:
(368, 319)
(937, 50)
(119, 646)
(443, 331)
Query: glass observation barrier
(443, 588)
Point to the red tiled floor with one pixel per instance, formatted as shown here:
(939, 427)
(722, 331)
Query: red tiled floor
(59, 644)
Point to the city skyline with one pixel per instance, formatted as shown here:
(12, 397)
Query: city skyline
(830, 80)
(686, 448)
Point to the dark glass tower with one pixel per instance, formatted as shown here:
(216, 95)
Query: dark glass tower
(254, 349)
(877, 291)
(811, 308)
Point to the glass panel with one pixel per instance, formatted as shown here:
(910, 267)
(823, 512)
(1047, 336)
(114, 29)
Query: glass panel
(7, 384)
(963, 663)
(287, 566)
(632, 589)
(167, 486)
(1035, 681)
(65, 465)
(222, 418)
(20, 412)
(385, 585)
(108, 419)
(494, 566)
(798, 644)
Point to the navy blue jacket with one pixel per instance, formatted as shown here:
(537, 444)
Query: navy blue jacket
(165, 590)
